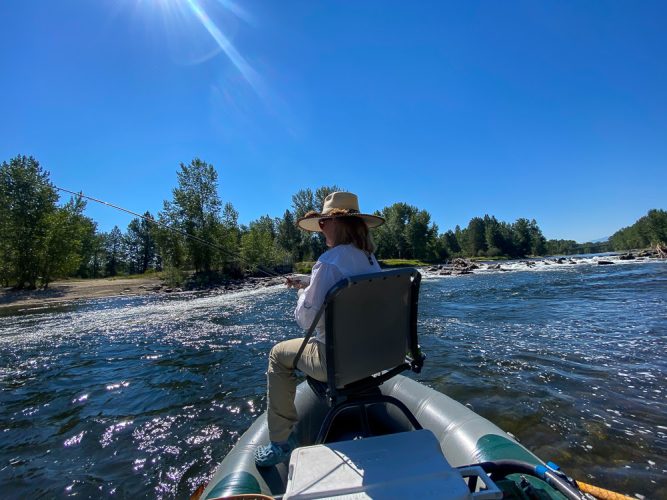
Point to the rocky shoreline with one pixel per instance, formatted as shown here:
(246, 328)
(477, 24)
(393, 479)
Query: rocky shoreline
(461, 266)
(68, 291)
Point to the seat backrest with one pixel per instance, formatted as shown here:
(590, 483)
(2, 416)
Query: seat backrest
(371, 324)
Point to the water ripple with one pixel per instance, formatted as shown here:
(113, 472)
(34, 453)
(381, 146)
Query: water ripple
(143, 396)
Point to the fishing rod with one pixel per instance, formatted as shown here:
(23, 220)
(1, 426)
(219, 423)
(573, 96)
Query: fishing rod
(170, 228)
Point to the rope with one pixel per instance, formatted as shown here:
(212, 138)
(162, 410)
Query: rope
(601, 493)
(170, 228)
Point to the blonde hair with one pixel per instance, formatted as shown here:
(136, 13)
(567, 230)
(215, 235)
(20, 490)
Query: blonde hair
(353, 230)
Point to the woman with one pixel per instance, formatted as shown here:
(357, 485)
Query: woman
(350, 253)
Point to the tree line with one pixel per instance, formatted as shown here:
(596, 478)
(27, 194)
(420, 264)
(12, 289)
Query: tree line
(197, 234)
(650, 230)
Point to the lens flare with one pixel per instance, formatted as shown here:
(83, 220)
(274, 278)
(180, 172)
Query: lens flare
(236, 10)
(177, 14)
(225, 44)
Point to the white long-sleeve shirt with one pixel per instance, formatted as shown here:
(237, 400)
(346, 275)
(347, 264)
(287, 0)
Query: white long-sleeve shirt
(333, 265)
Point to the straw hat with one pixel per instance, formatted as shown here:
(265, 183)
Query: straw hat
(338, 204)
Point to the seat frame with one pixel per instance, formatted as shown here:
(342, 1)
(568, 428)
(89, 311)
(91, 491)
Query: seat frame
(365, 392)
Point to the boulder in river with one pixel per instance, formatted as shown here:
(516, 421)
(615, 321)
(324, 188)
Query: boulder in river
(461, 264)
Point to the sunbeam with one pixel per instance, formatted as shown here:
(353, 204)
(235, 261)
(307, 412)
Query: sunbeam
(237, 10)
(179, 13)
(225, 45)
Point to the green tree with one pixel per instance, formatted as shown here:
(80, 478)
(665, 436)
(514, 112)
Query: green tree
(303, 201)
(171, 246)
(494, 237)
(422, 236)
(115, 252)
(67, 227)
(195, 210)
(141, 245)
(26, 212)
(521, 237)
(407, 234)
(258, 248)
(527, 238)
(438, 249)
(561, 247)
(287, 234)
(487, 237)
(390, 238)
(229, 241)
(91, 250)
(657, 226)
(450, 243)
(95, 267)
(474, 238)
(648, 230)
(507, 237)
(538, 243)
(6, 246)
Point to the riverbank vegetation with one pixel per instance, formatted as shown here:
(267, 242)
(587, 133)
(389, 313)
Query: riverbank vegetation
(197, 237)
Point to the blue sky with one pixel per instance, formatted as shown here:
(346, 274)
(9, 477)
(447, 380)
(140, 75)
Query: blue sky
(549, 110)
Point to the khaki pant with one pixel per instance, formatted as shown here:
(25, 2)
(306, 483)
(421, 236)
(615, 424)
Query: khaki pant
(282, 382)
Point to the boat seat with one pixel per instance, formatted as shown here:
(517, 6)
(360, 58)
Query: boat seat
(371, 335)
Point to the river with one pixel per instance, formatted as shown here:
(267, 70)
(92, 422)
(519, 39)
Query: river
(142, 397)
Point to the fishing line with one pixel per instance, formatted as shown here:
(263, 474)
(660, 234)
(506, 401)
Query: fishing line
(170, 228)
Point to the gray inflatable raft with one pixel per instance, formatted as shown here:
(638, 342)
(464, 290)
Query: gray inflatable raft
(464, 438)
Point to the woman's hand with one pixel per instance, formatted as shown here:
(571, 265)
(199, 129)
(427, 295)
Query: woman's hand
(295, 283)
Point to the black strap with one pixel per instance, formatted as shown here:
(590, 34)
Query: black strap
(309, 334)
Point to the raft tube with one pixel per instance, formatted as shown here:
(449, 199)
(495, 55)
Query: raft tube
(465, 438)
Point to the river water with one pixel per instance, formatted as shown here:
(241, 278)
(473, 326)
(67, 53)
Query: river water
(143, 396)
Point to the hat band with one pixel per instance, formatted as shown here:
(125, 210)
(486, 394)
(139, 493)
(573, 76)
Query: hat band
(334, 212)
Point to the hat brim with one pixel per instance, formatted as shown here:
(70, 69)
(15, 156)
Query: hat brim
(312, 224)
